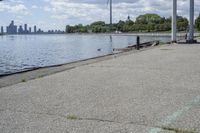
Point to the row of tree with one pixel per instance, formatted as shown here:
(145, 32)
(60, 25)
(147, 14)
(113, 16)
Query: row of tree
(143, 23)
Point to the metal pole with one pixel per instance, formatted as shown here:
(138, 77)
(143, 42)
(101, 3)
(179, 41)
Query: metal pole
(174, 18)
(110, 12)
(1, 33)
(191, 23)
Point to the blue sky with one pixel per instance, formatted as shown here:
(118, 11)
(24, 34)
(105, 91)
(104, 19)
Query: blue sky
(55, 14)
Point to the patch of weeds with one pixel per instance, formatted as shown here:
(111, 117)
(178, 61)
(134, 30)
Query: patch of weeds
(73, 117)
(162, 43)
(23, 80)
(166, 49)
(41, 76)
(177, 130)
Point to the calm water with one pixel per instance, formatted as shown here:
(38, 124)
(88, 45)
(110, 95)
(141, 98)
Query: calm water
(20, 52)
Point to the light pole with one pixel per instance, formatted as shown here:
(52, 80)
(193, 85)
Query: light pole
(174, 23)
(111, 13)
(191, 23)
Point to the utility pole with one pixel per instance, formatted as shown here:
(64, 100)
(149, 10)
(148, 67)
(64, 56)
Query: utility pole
(110, 13)
(191, 23)
(174, 23)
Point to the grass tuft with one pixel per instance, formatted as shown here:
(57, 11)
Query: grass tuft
(23, 80)
(72, 117)
(177, 130)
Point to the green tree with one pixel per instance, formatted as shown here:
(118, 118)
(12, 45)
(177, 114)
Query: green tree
(149, 18)
(143, 23)
(182, 23)
(69, 29)
(98, 23)
(197, 23)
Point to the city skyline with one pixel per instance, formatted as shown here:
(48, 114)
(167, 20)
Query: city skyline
(25, 29)
(51, 14)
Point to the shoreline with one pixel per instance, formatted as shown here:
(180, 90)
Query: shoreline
(155, 34)
(24, 76)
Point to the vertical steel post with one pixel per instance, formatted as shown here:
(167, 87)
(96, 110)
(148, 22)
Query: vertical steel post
(111, 13)
(174, 18)
(191, 23)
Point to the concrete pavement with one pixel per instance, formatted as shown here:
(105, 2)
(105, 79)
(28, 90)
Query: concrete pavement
(145, 92)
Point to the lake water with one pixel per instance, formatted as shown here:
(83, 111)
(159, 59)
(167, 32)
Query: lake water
(21, 52)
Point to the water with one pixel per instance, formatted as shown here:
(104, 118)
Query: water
(21, 52)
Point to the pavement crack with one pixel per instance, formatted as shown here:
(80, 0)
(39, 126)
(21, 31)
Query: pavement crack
(76, 118)
(100, 120)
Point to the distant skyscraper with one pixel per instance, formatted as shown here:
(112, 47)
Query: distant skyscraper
(20, 30)
(12, 29)
(12, 22)
(39, 31)
(35, 29)
(25, 28)
(29, 31)
(128, 18)
(2, 30)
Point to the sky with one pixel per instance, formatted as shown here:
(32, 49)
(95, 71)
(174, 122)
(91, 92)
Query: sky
(56, 14)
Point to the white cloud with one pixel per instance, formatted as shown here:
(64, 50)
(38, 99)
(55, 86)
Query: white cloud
(85, 11)
(64, 12)
(34, 7)
(15, 8)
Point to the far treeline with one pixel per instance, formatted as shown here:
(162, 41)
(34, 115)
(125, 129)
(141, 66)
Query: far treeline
(143, 23)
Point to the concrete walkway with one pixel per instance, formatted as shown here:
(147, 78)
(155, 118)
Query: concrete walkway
(146, 92)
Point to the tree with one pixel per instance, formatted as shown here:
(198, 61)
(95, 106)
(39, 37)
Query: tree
(69, 29)
(197, 23)
(182, 23)
(98, 23)
(120, 25)
(149, 18)
(143, 23)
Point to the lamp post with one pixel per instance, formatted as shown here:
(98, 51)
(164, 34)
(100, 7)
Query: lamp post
(191, 23)
(174, 23)
(111, 13)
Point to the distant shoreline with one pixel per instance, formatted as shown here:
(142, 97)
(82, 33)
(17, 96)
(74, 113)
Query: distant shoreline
(125, 33)
(153, 34)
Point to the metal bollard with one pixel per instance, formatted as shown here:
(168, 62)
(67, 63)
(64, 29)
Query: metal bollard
(138, 43)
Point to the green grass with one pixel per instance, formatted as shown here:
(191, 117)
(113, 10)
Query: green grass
(41, 76)
(23, 80)
(73, 117)
(177, 130)
(162, 43)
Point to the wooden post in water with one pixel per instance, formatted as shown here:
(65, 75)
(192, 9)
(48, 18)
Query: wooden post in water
(138, 43)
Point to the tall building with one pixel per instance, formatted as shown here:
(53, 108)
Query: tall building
(128, 18)
(39, 31)
(25, 28)
(20, 30)
(2, 30)
(12, 28)
(29, 31)
(35, 29)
